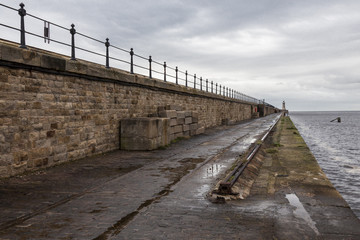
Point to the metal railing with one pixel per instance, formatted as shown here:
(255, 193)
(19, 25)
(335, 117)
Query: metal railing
(152, 67)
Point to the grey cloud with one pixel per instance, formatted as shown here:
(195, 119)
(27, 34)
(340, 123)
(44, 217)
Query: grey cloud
(311, 46)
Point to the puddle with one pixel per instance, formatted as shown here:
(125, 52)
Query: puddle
(300, 211)
(213, 170)
(202, 191)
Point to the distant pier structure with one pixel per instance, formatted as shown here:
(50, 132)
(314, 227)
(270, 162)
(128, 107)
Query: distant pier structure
(283, 109)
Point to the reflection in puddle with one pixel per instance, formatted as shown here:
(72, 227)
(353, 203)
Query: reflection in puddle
(300, 211)
(213, 169)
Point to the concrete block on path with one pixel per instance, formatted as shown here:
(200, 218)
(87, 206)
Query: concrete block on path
(144, 133)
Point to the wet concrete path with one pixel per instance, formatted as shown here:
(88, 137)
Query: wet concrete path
(131, 195)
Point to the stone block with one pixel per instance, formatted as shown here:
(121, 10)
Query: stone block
(195, 114)
(164, 140)
(151, 115)
(186, 133)
(77, 66)
(200, 130)
(173, 107)
(180, 114)
(168, 114)
(186, 128)
(10, 53)
(172, 137)
(187, 114)
(51, 62)
(138, 143)
(178, 128)
(193, 132)
(188, 120)
(161, 109)
(180, 121)
(4, 171)
(173, 122)
(144, 133)
(172, 130)
(195, 119)
(178, 135)
(139, 127)
(231, 122)
(193, 126)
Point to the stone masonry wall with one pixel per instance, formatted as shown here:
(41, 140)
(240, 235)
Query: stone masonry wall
(54, 110)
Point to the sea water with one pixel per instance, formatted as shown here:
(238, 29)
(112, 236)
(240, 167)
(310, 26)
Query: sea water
(336, 146)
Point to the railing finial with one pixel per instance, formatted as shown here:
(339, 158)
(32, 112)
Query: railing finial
(73, 32)
(107, 45)
(22, 13)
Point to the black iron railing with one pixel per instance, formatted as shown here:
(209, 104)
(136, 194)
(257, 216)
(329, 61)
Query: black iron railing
(152, 67)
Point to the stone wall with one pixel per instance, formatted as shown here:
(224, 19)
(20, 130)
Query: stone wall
(54, 110)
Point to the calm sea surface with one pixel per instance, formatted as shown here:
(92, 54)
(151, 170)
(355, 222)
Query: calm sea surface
(336, 146)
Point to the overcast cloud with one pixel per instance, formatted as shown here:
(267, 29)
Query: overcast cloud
(304, 52)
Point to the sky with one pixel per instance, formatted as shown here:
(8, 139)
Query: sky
(306, 53)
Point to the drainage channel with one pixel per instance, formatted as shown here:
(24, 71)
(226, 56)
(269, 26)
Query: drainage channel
(225, 187)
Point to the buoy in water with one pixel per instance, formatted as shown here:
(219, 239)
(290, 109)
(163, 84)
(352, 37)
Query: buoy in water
(338, 119)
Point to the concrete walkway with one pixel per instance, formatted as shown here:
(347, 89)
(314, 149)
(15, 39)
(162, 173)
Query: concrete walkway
(162, 195)
(100, 196)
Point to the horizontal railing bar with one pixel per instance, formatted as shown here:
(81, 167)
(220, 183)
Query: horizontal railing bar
(53, 40)
(90, 38)
(141, 57)
(118, 59)
(41, 19)
(14, 28)
(8, 7)
(119, 48)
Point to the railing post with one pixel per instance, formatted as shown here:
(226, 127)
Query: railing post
(216, 88)
(201, 83)
(212, 87)
(224, 90)
(22, 13)
(72, 31)
(195, 81)
(186, 81)
(176, 71)
(150, 73)
(207, 82)
(107, 44)
(131, 60)
(220, 89)
(164, 71)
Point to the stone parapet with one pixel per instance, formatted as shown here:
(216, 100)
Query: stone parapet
(54, 110)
